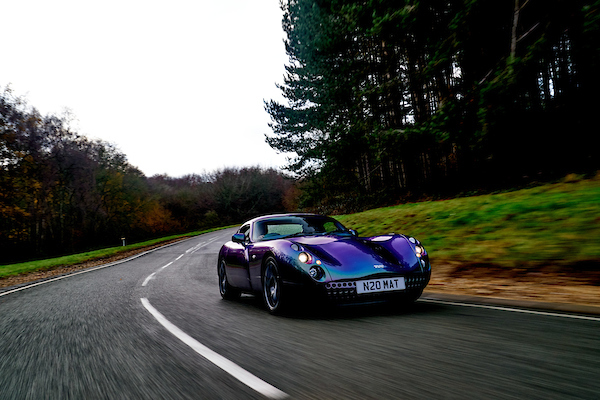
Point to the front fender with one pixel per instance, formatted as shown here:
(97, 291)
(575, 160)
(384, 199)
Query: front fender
(292, 272)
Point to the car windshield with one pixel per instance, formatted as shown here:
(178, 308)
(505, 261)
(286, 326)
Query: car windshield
(278, 227)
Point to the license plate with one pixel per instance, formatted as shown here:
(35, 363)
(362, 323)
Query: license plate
(380, 285)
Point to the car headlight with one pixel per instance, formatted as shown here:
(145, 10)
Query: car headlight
(305, 258)
(419, 250)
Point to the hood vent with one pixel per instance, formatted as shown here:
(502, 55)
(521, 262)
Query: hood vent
(323, 255)
(382, 252)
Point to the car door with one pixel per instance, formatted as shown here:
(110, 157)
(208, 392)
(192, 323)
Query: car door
(236, 260)
(255, 254)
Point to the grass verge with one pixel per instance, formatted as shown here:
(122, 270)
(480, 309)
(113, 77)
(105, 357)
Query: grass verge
(550, 225)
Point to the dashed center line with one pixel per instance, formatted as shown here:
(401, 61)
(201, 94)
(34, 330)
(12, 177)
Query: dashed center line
(152, 275)
(199, 246)
(166, 266)
(191, 250)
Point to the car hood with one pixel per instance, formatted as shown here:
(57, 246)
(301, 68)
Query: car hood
(353, 257)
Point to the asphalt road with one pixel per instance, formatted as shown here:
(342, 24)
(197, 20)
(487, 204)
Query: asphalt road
(155, 327)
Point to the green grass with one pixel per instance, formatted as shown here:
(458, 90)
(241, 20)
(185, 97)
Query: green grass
(555, 224)
(42, 265)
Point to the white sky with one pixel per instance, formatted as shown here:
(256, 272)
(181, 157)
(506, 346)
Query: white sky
(177, 86)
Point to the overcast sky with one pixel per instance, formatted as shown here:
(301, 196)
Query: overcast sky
(178, 86)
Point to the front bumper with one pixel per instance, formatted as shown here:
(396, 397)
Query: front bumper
(339, 292)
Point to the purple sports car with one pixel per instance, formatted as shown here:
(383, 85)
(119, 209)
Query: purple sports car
(290, 258)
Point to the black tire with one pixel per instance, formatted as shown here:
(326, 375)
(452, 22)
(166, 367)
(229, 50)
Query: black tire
(272, 288)
(227, 291)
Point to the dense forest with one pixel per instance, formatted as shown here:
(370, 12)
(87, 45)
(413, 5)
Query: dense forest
(61, 192)
(392, 100)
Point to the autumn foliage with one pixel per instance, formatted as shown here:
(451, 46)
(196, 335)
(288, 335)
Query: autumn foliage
(61, 192)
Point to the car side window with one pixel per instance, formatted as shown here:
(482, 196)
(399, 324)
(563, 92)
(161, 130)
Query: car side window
(331, 226)
(245, 229)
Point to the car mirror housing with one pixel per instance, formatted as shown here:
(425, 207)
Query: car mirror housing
(353, 232)
(238, 238)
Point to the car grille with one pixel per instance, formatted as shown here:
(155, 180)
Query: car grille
(341, 291)
(345, 291)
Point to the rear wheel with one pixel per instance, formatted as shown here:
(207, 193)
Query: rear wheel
(225, 289)
(272, 287)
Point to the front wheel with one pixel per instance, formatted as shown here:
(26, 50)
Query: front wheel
(225, 289)
(272, 287)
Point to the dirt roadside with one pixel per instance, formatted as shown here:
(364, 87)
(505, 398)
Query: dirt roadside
(551, 285)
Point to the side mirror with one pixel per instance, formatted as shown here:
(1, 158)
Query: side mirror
(353, 232)
(239, 238)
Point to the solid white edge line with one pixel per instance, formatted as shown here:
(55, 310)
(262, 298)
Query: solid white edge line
(228, 366)
(518, 310)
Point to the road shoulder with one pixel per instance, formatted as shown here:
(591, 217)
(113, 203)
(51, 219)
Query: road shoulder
(517, 303)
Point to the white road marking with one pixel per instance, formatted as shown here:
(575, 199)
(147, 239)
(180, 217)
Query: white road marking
(166, 266)
(228, 366)
(85, 271)
(518, 310)
(200, 245)
(191, 250)
(195, 247)
(151, 276)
